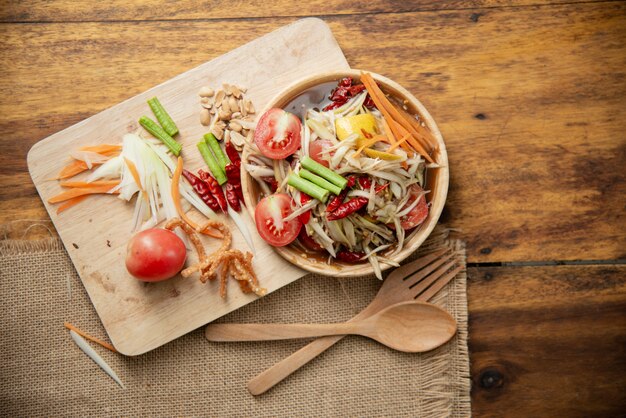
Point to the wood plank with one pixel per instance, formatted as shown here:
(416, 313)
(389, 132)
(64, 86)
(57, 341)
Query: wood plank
(548, 341)
(120, 10)
(532, 115)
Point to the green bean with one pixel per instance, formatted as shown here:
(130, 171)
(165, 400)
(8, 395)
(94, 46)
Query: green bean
(307, 175)
(164, 119)
(320, 170)
(210, 161)
(307, 187)
(158, 132)
(221, 158)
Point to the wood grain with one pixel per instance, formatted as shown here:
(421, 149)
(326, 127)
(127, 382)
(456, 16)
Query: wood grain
(140, 318)
(548, 341)
(531, 117)
(120, 10)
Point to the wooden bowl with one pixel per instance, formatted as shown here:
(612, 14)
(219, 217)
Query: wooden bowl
(436, 179)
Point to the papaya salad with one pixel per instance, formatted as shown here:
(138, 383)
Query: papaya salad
(345, 178)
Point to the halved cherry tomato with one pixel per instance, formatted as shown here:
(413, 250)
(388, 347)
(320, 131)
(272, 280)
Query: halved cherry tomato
(278, 134)
(269, 216)
(317, 147)
(309, 242)
(419, 213)
(306, 216)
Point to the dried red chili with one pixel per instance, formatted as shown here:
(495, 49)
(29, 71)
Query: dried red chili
(350, 256)
(365, 183)
(202, 190)
(215, 188)
(347, 208)
(344, 91)
(232, 198)
(233, 175)
(338, 200)
(272, 182)
(233, 155)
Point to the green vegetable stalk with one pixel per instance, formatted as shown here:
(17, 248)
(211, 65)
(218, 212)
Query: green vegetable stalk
(307, 187)
(326, 173)
(162, 116)
(158, 132)
(214, 167)
(221, 158)
(306, 174)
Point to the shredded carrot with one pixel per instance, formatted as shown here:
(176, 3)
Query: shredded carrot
(133, 170)
(391, 114)
(416, 145)
(423, 131)
(73, 168)
(87, 184)
(102, 149)
(89, 337)
(179, 209)
(80, 191)
(399, 143)
(71, 202)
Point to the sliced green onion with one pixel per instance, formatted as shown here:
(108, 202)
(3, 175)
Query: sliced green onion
(221, 158)
(312, 165)
(306, 174)
(158, 132)
(307, 187)
(209, 159)
(162, 116)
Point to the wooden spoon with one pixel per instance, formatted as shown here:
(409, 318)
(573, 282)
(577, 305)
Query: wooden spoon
(411, 327)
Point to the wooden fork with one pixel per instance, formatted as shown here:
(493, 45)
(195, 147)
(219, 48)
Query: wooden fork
(420, 280)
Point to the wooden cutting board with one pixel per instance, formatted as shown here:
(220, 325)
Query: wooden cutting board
(140, 317)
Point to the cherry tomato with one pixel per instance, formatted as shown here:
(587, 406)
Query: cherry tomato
(317, 147)
(278, 134)
(155, 254)
(419, 213)
(309, 242)
(269, 216)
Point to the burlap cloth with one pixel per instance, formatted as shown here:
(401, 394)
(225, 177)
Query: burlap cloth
(43, 373)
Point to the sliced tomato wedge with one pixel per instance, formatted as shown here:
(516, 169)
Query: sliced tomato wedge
(419, 213)
(317, 147)
(269, 216)
(309, 242)
(277, 135)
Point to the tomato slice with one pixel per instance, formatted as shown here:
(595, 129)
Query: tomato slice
(419, 213)
(309, 242)
(278, 134)
(317, 147)
(269, 216)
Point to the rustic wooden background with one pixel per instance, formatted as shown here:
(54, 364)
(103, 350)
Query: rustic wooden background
(529, 95)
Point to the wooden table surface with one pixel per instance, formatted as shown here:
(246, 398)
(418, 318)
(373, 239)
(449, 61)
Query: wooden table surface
(529, 96)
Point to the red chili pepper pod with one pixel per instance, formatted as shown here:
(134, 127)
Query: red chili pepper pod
(202, 190)
(232, 153)
(232, 198)
(272, 182)
(347, 208)
(350, 256)
(365, 183)
(215, 188)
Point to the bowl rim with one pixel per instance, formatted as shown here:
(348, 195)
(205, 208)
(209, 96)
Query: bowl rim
(337, 269)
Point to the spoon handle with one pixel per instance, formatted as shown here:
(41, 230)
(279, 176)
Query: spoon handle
(264, 332)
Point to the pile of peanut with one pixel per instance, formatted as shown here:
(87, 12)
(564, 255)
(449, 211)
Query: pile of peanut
(229, 116)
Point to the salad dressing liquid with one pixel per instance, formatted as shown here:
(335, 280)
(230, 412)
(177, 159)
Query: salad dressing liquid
(315, 97)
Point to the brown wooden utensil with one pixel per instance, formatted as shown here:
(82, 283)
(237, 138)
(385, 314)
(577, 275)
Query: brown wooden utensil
(418, 280)
(412, 327)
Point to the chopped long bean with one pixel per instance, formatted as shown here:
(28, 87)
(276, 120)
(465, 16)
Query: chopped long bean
(210, 161)
(307, 187)
(307, 175)
(221, 158)
(158, 132)
(163, 117)
(312, 165)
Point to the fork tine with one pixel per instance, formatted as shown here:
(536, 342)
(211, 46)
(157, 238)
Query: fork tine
(416, 277)
(440, 283)
(409, 268)
(423, 285)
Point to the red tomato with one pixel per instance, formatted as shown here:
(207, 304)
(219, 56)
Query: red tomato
(278, 134)
(269, 215)
(316, 148)
(309, 242)
(417, 215)
(155, 254)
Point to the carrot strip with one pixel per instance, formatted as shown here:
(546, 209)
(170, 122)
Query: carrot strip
(179, 209)
(80, 191)
(133, 170)
(71, 202)
(102, 148)
(89, 337)
(366, 144)
(399, 143)
(418, 147)
(390, 113)
(87, 184)
(73, 168)
(422, 131)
